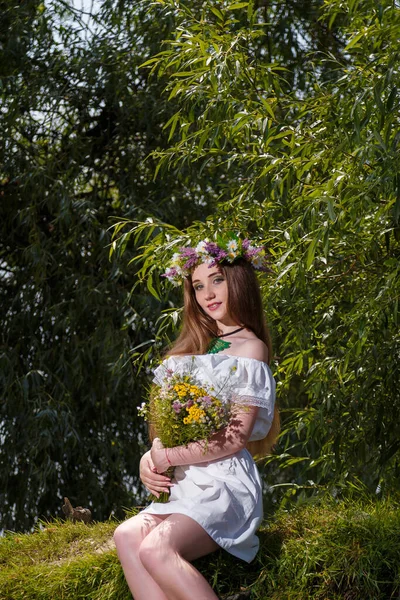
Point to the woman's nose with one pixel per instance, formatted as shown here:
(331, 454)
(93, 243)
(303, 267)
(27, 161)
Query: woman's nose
(209, 294)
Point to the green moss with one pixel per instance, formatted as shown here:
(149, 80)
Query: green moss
(328, 551)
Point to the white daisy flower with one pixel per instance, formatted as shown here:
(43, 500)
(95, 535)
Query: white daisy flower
(200, 248)
(257, 261)
(232, 246)
(175, 258)
(232, 255)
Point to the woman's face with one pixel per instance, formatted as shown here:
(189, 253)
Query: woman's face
(211, 291)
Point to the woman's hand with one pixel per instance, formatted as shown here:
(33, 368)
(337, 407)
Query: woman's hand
(151, 479)
(159, 456)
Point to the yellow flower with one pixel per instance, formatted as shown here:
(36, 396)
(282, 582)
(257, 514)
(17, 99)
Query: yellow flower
(195, 414)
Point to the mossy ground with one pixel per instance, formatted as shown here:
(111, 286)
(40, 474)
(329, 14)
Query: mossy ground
(348, 550)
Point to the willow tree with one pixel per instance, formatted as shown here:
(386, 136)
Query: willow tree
(277, 118)
(77, 121)
(315, 171)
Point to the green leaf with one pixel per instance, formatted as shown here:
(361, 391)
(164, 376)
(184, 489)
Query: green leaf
(150, 286)
(353, 41)
(237, 5)
(285, 271)
(391, 98)
(311, 252)
(331, 211)
(268, 107)
(217, 12)
(250, 10)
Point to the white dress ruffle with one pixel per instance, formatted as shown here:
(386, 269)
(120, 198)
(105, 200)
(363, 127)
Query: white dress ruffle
(224, 496)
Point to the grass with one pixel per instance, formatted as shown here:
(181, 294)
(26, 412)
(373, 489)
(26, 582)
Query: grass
(348, 550)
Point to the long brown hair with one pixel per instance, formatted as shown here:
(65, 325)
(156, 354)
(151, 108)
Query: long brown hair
(245, 307)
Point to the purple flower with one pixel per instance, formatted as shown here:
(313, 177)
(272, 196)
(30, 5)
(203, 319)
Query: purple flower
(188, 252)
(253, 252)
(221, 254)
(211, 248)
(245, 243)
(217, 258)
(206, 401)
(189, 403)
(177, 407)
(170, 272)
(192, 262)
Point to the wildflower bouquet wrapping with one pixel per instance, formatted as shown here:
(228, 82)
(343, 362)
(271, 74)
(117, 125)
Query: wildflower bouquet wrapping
(182, 410)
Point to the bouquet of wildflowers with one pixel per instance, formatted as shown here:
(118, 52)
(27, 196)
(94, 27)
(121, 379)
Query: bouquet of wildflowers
(182, 410)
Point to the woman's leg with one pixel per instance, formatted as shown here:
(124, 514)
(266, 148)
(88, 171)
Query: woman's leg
(128, 538)
(166, 551)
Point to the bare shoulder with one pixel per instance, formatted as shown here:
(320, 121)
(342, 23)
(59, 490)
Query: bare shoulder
(253, 348)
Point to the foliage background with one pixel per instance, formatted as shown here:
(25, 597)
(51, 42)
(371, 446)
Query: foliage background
(278, 119)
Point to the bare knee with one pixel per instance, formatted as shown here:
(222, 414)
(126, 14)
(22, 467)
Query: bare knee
(154, 555)
(127, 535)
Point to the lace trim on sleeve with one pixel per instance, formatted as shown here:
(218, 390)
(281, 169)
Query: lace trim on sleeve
(266, 402)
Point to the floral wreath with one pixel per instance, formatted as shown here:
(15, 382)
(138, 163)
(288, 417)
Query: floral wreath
(225, 251)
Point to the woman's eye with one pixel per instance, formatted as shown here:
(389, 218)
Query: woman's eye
(197, 288)
(218, 279)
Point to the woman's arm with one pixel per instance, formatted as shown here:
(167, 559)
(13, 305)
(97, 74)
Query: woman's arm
(225, 442)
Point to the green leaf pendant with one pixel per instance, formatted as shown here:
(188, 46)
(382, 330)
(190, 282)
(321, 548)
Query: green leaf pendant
(216, 345)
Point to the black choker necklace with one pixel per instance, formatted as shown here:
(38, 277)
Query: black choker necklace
(230, 333)
(216, 344)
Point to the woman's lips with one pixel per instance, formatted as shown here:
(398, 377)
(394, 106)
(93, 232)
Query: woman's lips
(214, 305)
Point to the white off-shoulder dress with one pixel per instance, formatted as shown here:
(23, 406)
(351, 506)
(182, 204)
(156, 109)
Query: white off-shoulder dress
(224, 496)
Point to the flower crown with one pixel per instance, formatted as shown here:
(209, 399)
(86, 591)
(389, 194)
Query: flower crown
(211, 253)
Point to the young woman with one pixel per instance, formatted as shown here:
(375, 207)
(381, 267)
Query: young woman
(215, 494)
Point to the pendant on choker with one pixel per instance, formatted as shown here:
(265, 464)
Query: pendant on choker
(216, 345)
